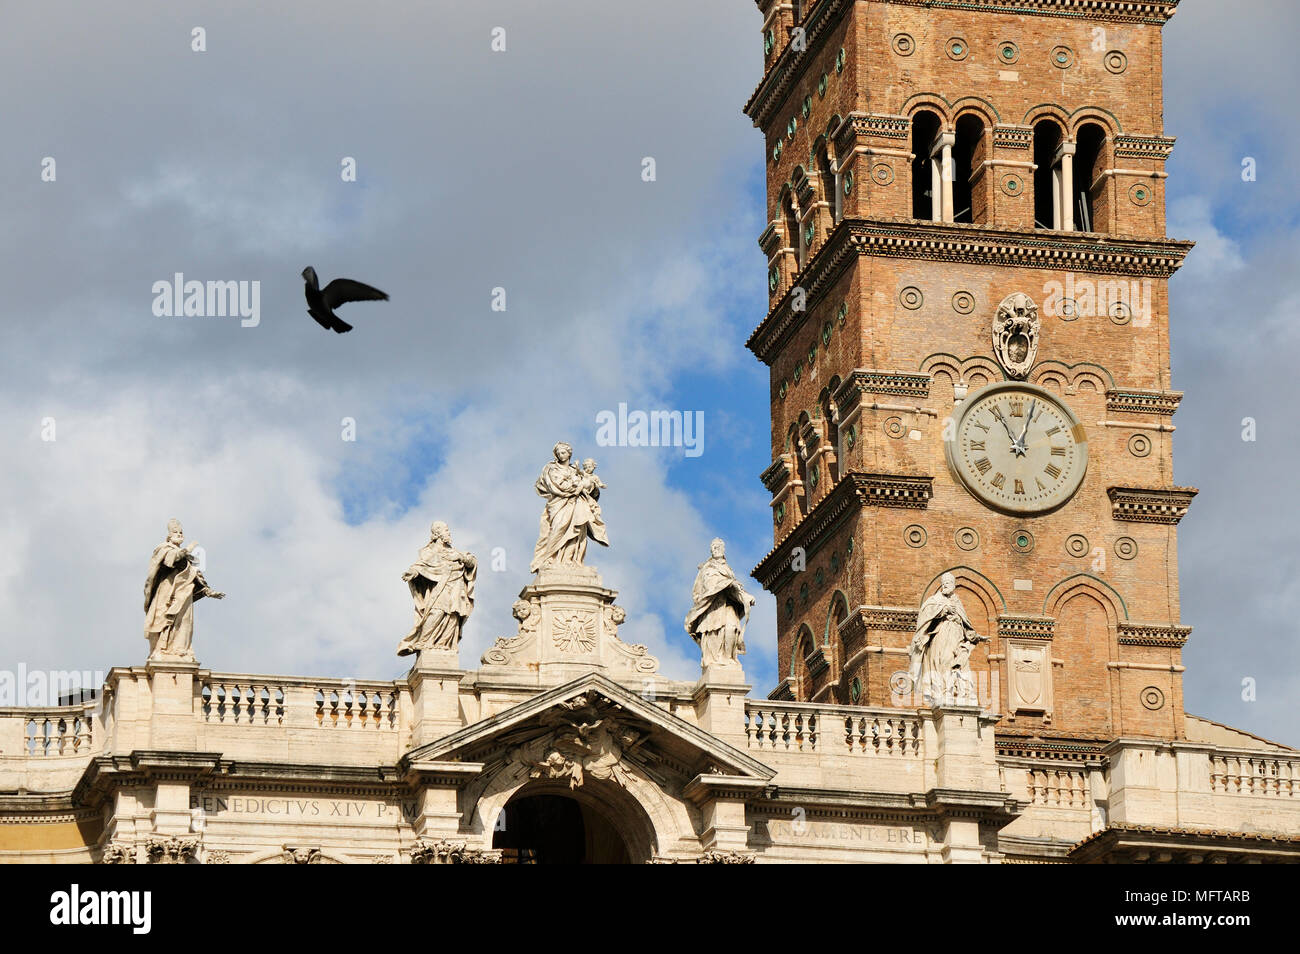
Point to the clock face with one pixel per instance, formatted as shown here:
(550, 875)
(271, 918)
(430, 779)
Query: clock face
(1018, 449)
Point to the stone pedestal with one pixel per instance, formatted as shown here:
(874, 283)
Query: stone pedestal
(719, 699)
(435, 696)
(568, 626)
(173, 689)
(966, 788)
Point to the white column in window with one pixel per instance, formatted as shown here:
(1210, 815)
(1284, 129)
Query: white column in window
(1063, 180)
(941, 161)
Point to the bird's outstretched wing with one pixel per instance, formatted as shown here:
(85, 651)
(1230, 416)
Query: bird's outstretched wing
(345, 289)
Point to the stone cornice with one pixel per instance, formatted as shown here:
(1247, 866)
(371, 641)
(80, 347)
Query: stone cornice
(1140, 401)
(873, 381)
(823, 16)
(1144, 147)
(865, 619)
(867, 126)
(854, 491)
(966, 244)
(1153, 634)
(1025, 627)
(776, 476)
(1150, 505)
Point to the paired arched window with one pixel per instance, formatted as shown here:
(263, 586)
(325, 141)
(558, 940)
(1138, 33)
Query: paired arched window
(927, 171)
(1067, 176)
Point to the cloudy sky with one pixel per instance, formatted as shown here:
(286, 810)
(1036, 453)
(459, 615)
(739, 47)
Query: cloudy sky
(518, 170)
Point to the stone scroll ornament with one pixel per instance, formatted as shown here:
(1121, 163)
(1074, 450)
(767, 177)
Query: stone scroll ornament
(171, 588)
(572, 515)
(441, 581)
(1016, 328)
(720, 612)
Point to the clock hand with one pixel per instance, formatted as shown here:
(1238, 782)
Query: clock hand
(1003, 420)
(1028, 419)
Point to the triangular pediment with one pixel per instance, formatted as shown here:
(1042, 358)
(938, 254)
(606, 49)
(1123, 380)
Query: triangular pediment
(588, 706)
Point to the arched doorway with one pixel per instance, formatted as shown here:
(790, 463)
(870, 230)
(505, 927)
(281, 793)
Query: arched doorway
(549, 823)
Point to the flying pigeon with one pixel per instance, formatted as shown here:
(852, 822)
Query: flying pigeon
(321, 302)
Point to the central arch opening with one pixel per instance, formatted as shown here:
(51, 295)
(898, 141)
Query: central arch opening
(547, 829)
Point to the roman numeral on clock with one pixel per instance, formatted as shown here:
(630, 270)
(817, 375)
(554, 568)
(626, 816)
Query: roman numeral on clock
(983, 465)
(1017, 406)
(1058, 451)
(1020, 487)
(1053, 431)
(1052, 471)
(976, 445)
(999, 481)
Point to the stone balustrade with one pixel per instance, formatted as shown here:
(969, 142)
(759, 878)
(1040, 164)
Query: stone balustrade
(1255, 775)
(837, 730)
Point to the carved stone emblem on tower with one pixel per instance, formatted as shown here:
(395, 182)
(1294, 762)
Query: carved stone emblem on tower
(1016, 328)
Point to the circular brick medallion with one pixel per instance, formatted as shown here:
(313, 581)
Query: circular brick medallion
(1116, 61)
(915, 536)
(1140, 194)
(882, 173)
(1013, 185)
(1076, 544)
(1067, 309)
(957, 48)
(967, 538)
(904, 45)
(1139, 445)
(1022, 541)
(963, 303)
(911, 298)
(1126, 548)
(1153, 698)
(1008, 52)
(894, 428)
(1062, 57)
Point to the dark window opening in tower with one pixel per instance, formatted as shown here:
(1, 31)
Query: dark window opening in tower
(925, 171)
(1087, 167)
(970, 130)
(792, 238)
(1047, 199)
(829, 193)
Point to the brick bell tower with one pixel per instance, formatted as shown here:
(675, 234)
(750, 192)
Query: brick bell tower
(968, 339)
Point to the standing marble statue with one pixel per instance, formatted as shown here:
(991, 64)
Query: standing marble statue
(572, 515)
(442, 584)
(718, 618)
(173, 584)
(940, 650)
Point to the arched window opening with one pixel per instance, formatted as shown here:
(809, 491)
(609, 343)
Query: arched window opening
(1047, 175)
(965, 154)
(1087, 167)
(839, 613)
(830, 192)
(793, 240)
(831, 415)
(927, 183)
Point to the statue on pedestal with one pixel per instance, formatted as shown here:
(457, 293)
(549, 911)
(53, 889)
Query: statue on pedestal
(940, 650)
(442, 584)
(572, 515)
(173, 584)
(718, 618)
